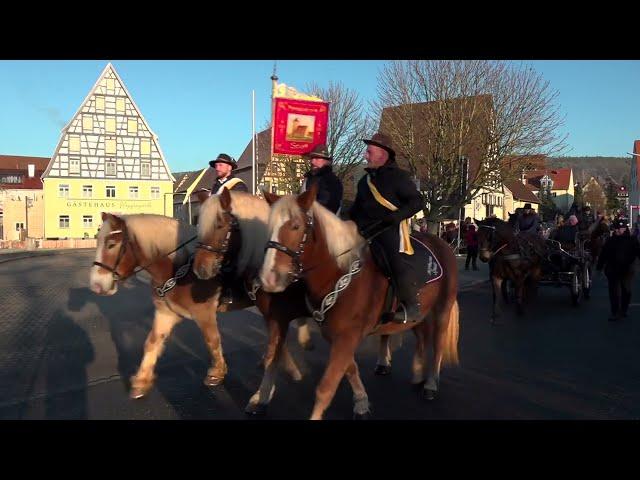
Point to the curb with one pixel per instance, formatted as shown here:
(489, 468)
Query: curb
(21, 256)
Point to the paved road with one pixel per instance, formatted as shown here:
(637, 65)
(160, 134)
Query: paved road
(67, 353)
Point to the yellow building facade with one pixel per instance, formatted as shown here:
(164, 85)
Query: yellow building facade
(107, 160)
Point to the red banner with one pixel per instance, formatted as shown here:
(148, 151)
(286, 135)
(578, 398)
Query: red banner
(300, 125)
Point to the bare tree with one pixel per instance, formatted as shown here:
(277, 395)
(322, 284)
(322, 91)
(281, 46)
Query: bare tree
(348, 125)
(459, 125)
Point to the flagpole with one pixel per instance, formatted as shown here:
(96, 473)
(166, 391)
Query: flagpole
(253, 139)
(274, 86)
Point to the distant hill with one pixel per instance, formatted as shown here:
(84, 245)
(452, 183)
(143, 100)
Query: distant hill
(618, 168)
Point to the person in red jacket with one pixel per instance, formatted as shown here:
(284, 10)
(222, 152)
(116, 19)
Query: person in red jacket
(471, 240)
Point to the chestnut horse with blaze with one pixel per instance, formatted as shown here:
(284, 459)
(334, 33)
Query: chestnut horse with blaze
(310, 242)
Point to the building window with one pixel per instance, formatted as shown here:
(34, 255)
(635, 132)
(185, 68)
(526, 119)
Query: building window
(119, 105)
(74, 165)
(132, 126)
(99, 104)
(111, 191)
(145, 169)
(110, 169)
(110, 125)
(155, 192)
(87, 123)
(74, 143)
(111, 85)
(63, 221)
(87, 221)
(63, 191)
(133, 192)
(145, 146)
(110, 146)
(19, 226)
(553, 194)
(87, 191)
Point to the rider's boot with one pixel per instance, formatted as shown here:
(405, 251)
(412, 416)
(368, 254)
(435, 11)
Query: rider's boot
(409, 308)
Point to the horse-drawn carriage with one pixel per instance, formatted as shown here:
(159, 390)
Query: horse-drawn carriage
(569, 265)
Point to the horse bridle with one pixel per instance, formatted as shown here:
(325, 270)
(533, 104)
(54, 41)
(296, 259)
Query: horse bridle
(490, 238)
(223, 249)
(296, 273)
(121, 252)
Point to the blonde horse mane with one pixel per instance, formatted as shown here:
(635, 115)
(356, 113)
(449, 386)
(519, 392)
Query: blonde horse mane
(344, 242)
(252, 213)
(156, 235)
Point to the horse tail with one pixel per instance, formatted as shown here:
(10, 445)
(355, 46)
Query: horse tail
(450, 353)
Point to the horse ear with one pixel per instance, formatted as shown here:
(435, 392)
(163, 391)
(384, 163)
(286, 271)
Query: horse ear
(306, 199)
(271, 198)
(202, 195)
(225, 199)
(115, 221)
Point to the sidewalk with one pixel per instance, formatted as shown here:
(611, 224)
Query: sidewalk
(471, 278)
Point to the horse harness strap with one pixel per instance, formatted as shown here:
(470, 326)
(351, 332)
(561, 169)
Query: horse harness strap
(295, 255)
(332, 297)
(172, 282)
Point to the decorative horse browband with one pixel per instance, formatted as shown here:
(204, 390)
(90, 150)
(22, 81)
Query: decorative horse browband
(295, 255)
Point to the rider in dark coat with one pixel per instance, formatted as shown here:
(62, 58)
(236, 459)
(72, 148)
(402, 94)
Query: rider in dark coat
(395, 186)
(224, 165)
(329, 185)
(528, 221)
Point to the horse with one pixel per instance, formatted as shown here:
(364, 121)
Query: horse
(163, 247)
(598, 231)
(505, 252)
(232, 230)
(309, 242)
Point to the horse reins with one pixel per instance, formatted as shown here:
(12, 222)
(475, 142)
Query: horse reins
(125, 241)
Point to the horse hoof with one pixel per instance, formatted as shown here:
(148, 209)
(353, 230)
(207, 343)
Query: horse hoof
(213, 381)
(137, 393)
(428, 394)
(256, 410)
(362, 416)
(382, 370)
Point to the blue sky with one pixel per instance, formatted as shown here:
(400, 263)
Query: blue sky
(201, 108)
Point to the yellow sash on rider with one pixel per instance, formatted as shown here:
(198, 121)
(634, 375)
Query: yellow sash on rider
(405, 242)
(229, 184)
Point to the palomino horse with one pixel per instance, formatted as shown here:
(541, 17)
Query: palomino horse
(233, 228)
(163, 247)
(310, 242)
(510, 257)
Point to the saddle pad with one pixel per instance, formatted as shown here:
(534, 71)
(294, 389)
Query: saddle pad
(424, 262)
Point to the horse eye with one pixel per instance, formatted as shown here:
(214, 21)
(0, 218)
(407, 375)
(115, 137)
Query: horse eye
(110, 246)
(296, 227)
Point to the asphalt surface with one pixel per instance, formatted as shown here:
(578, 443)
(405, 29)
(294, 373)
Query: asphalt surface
(66, 353)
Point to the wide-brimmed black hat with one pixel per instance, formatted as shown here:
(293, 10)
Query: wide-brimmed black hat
(224, 158)
(383, 141)
(319, 151)
(527, 206)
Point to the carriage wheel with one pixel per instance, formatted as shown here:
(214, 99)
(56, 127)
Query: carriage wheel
(576, 285)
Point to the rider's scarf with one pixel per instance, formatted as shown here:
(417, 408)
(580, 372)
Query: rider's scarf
(229, 184)
(405, 242)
